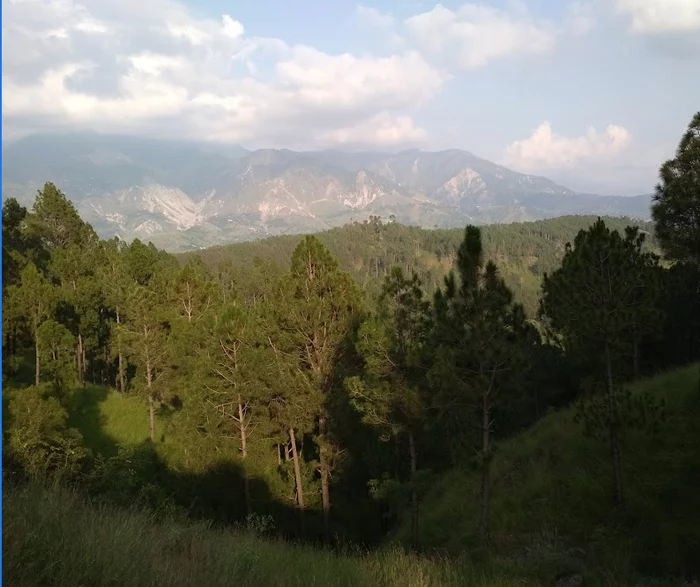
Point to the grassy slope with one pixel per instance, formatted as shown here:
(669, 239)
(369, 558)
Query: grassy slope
(552, 492)
(52, 537)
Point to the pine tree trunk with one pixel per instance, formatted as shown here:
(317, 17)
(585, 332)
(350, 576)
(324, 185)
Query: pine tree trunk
(122, 386)
(81, 359)
(78, 357)
(414, 488)
(614, 440)
(325, 489)
(279, 455)
(37, 366)
(84, 363)
(104, 373)
(297, 479)
(152, 417)
(486, 464)
(244, 454)
(151, 406)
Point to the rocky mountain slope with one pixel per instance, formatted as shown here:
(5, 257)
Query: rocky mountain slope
(185, 196)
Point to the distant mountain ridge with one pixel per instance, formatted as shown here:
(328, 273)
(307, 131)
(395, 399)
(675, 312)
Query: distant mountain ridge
(186, 196)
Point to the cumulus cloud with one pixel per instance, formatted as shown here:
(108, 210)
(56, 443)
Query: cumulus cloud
(661, 16)
(546, 150)
(476, 34)
(473, 35)
(134, 66)
(383, 130)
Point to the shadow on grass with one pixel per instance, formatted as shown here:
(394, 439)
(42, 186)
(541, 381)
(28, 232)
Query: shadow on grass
(85, 414)
(129, 473)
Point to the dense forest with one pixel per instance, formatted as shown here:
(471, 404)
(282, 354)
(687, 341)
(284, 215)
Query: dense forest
(523, 251)
(316, 388)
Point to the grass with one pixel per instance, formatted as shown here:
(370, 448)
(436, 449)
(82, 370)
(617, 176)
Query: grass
(551, 514)
(54, 537)
(552, 492)
(107, 419)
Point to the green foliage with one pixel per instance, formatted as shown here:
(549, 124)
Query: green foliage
(600, 289)
(391, 346)
(641, 412)
(57, 346)
(56, 221)
(553, 510)
(322, 370)
(34, 299)
(604, 292)
(17, 247)
(479, 339)
(193, 290)
(523, 251)
(39, 440)
(259, 525)
(676, 207)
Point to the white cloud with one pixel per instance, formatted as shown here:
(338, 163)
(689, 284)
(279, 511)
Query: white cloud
(382, 130)
(134, 66)
(346, 81)
(372, 17)
(661, 16)
(546, 150)
(476, 34)
(232, 28)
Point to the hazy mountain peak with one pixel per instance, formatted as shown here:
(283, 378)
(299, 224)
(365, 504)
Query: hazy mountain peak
(179, 192)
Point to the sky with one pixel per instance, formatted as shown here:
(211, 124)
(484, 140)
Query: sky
(594, 94)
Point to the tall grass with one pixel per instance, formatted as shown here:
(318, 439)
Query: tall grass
(53, 537)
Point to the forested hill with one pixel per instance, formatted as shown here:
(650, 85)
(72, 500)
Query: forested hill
(523, 251)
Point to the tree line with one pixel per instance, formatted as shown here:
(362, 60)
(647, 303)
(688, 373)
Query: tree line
(346, 404)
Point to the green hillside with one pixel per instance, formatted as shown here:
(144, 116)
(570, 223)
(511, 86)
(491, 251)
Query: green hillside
(524, 251)
(551, 495)
(54, 538)
(552, 516)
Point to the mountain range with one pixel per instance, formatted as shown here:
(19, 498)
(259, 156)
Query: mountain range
(187, 196)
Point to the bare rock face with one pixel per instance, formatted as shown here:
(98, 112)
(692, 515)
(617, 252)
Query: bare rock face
(194, 195)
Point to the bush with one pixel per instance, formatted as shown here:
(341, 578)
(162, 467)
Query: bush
(39, 440)
(259, 525)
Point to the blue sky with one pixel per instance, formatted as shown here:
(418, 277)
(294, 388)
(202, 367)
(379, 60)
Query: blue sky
(594, 94)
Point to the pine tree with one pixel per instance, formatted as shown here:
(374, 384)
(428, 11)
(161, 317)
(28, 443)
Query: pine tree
(479, 338)
(115, 283)
(147, 340)
(56, 221)
(81, 295)
(239, 368)
(35, 298)
(14, 245)
(389, 393)
(57, 353)
(595, 300)
(676, 208)
(193, 290)
(322, 303)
